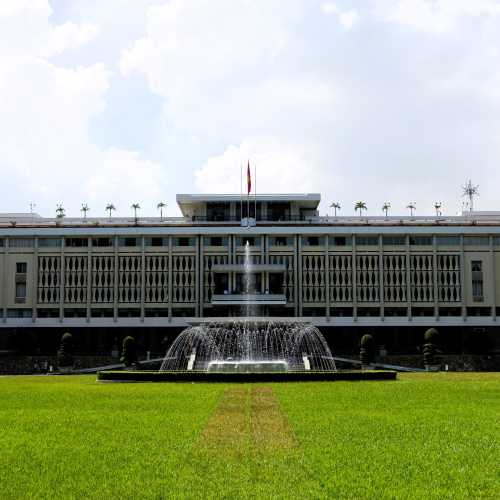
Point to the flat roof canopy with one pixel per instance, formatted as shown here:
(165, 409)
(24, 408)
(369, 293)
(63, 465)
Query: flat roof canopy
(187, 202)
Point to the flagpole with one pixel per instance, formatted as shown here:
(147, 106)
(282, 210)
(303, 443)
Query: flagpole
(255, 190)
(248, 196)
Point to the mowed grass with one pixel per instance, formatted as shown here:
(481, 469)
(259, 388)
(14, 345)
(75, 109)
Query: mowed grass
(423, 436)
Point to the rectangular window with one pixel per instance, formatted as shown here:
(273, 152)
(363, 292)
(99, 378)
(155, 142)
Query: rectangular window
(21, 267)
(76, 242)
(184, 242)
(129, 242)
(393, 241)
(49, 242)
(156, 242)
(19, 313)
(447, 241)
(477, 280)
(215, 241)
(476, 241)
(421, 241)
(367, 240)
(340, 241)
(21, 242)
(313, 241)
(253, 241)
(1, 242)
(280, 241)
(102, 242)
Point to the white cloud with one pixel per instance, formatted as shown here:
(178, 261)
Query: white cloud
(281, 168)
(69, 36)
(437, 16)
(347, 18)
(46, 110)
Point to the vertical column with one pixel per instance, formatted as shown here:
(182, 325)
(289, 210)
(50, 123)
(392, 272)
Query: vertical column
(62, 281)
(462, 279)
(115, 284)
(3, 283)
(298, 274)
(327, 277)
(143, 277)
(35, 282)
(89, 278)
(199, 276)
(435, 275)
(493, 281)
(381, 274)
(408, 279)
(170, 274)
(354, 281)
(264, 255)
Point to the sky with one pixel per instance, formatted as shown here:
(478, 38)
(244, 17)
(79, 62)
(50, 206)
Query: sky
(360, 100)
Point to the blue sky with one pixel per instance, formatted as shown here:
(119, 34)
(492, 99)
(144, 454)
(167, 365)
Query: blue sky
(135, 101)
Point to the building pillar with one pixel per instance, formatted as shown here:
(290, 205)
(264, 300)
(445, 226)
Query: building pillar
(381, 276)
(3, 284)
(493, 280)
(408, 278)
(170, 277)
(143, 278)
(435, 275)
(354, 280)
(90, 249)
(34, 302)
(116, 278)
(462, 279)
(327, 277)
(62, 281)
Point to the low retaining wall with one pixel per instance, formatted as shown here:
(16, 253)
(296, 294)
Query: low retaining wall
(144, 376)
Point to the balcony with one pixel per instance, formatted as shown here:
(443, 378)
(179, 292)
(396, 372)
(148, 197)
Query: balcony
(234, 299)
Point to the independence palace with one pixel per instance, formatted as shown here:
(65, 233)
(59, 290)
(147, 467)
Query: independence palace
(107, 277)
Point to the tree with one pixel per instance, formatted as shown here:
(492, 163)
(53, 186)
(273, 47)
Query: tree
(109, 208)
(437, 207)
(135, 207)
(60, 212)
(65, 353)
(129, 352)
(360, 205)
(469, 191)
(336, 206)
(85, 208)
(385, 208)
(160, 207)
(367, 349)
(431, 338)
(411, 207)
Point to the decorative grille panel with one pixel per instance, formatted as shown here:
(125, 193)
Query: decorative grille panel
(421, 278)
(313, 278)
(395, 278)
(340, 278)
(209, 275)
(103, 278)
(183, 278)
(49, 279)
(449, 278)
(129, 279)
(288, 275)
(75, 279)
(156, 275)
(367, 278)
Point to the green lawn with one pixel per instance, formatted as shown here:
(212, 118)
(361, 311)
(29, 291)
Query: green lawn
(423, 436)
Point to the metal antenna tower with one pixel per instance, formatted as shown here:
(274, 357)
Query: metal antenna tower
(469, 190)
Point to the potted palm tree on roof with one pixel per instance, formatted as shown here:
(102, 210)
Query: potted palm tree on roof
(385, 208)
(160, 207)
(109, 208)
(135, 207)
(360, 206)
(411, 207)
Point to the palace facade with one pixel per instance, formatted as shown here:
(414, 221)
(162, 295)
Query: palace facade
(150, 276)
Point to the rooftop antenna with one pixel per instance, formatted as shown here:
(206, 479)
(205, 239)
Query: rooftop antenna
(32, 208)
(469, 191)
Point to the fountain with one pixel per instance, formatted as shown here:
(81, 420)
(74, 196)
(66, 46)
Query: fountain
(249, 345)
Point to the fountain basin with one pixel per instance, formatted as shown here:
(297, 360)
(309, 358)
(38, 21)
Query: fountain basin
(247, 366)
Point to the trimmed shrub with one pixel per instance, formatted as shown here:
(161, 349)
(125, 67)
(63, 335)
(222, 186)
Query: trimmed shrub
(431, 338)
(65, 352)
(129, 352)
(367, 349)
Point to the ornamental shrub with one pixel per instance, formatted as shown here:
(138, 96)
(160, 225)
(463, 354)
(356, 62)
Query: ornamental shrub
(65, 352)
(129, 352)
(431, 338)
(367, 349)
